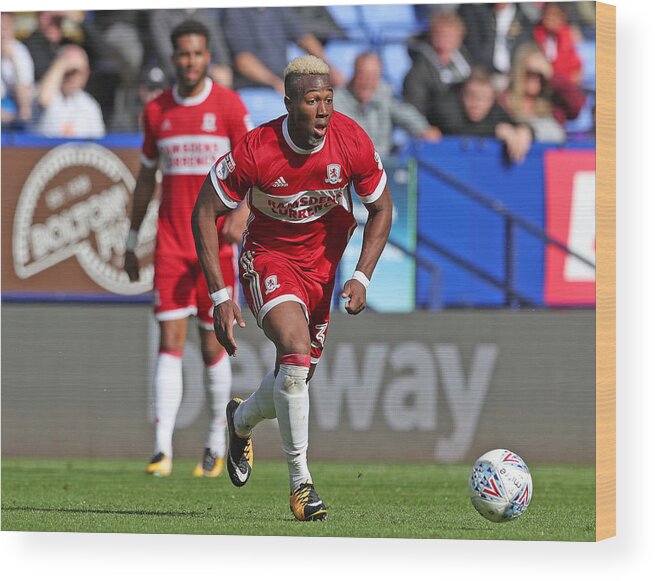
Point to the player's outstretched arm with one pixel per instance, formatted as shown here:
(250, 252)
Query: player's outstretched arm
(203, 223)
(376, 234)
(143, 192)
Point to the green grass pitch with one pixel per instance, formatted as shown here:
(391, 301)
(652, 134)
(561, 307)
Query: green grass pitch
(364, 500)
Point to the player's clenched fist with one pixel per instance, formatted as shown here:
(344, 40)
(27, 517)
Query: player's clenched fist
(225, 315)
(355, 294)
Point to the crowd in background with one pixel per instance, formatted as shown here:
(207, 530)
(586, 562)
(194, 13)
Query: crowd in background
(511, 70)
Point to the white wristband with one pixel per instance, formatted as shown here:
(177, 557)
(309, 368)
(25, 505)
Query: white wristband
(132, 239)
(359, 276)
(220, 296)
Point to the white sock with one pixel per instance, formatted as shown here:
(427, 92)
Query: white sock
(168, 396)
(218, 379)
(259, 406)
(291, 396)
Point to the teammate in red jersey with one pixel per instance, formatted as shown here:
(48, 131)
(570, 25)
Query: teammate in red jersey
(187, 128)
(298, 173)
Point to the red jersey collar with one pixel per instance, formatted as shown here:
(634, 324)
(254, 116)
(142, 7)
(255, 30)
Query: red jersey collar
(196, 99)
(293, 146)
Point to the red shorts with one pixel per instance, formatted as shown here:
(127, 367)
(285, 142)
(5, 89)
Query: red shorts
(269, 279)
(180, 288)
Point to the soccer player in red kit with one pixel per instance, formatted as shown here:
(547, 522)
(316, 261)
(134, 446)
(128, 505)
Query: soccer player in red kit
(298, 173)
(187, 128)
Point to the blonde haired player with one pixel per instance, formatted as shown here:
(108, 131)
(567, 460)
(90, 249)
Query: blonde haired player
(299, 173)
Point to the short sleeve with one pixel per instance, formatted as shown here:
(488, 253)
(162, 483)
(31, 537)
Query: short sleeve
(368, 175)
(240, 120)
(233, 175)
(25, 64)
(149, 151)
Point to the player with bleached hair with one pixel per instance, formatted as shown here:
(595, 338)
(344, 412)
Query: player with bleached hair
(298, 173)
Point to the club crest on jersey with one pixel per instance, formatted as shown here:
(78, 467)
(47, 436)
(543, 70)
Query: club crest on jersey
(333, 173)
(166, 125)
(209, 122)
(225, 167)
(271, 284)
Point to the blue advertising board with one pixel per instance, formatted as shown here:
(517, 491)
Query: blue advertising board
(448, 218)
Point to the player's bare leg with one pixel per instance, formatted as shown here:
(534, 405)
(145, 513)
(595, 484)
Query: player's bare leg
(286, 326)
(168, 393)
(218, 381)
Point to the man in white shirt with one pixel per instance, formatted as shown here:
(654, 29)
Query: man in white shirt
(371, 103)
(17, 81)
(68, 110)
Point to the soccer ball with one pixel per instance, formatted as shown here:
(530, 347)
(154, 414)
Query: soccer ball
(500, 485)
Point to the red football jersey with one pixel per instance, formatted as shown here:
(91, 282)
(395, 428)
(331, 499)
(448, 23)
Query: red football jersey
(300, 200)
(185, 136)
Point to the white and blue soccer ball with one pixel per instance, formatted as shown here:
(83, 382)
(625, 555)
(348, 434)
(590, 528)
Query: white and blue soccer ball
(500, 485)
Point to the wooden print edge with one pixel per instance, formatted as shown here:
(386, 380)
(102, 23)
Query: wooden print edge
(605, 271)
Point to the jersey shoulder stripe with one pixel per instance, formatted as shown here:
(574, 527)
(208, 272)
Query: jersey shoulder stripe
(349, 131)
(158, 104)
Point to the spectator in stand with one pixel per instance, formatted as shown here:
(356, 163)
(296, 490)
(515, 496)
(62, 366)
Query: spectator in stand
(480, 115)
(68, 110)
(556, 39)
(493, 32)
(113, 41)
(45, 41)
(162, 23)
(370, 102)
(440, 66)
(17, 75)
(114, 35)
(319, 22)
(425, 12)
(152, 83)
(581, 18)
(539, 96)
(258, 39)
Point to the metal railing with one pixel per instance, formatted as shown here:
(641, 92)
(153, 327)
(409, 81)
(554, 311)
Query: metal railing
(511, 222)
(435, 303)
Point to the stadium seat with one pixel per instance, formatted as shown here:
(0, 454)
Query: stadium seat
(263, 104)
(396, 62)
(390, 21)
(587, 51)
(342, 54)
(349, 19)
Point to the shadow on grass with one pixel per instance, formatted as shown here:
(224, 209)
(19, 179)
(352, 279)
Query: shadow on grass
(100, 511)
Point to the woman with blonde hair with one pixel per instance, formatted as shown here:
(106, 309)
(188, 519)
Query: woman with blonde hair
(539, 96)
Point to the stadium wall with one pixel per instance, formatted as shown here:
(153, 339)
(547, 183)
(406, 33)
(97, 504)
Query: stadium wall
(428, 387)
(65, 207)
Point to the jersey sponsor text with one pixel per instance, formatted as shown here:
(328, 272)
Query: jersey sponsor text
(190, 154)
(301, 207)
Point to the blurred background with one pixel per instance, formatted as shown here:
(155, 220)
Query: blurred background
(481, 326)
